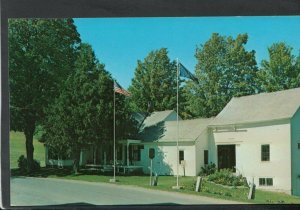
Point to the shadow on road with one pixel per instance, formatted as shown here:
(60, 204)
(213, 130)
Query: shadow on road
(88, 205)
(60, 206)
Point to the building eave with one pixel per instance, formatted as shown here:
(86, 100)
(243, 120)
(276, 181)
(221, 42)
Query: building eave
(230, 125)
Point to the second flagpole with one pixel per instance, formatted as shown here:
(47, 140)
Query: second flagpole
(177, 150)
(177, 120)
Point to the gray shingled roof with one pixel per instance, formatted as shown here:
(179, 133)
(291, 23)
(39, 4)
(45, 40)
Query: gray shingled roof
(259, 108)
(156, 117)
(166, 131)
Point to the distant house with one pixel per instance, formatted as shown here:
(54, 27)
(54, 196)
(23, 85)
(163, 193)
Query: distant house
(259, 137)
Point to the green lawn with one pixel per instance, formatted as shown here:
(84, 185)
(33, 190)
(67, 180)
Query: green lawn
(208, 189)
(17, 148)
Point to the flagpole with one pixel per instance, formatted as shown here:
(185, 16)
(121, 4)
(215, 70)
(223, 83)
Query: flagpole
(114, 179)
(177, 121)
(115, 135)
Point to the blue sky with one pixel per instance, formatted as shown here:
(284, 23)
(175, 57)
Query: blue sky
(120, 42)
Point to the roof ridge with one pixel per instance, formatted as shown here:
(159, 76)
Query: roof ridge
(266, 93)
(168, 110)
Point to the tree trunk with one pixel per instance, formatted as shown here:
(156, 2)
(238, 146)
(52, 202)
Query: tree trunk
(29, 149)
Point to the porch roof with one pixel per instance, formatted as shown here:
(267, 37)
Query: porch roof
(129, 141)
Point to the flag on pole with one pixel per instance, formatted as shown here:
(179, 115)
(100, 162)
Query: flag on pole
(183, 72)
(119, 89)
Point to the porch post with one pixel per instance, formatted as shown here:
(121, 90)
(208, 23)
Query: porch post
(95, 151)
(46, 154)
(104, 158)
(123, 154)
(127, 153)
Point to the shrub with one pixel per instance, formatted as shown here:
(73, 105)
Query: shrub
(208, 169)
(22, 164)
(226, 177)
(228, 194)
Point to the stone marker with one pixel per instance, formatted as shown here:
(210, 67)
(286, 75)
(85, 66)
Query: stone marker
(198, 184)
(113, 180)
(155, 180)
(177, 187)
(251, 194)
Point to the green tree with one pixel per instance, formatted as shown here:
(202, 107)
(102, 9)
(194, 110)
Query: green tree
(83, 113)
(154, 81)
(281, 71)
(41, 55)
(224, 69)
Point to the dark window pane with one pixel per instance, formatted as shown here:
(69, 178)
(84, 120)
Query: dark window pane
(181, 156)
(265, 152)
(136, 153)
(269, 181)
(262, 181)
(205, 157)
(298, 145)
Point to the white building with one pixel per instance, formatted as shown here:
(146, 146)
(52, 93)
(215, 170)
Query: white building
(259, 135)
(162, 137)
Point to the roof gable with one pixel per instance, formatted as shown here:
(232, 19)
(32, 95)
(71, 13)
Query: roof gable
(189, 130)
(260, 107)
(157, 117)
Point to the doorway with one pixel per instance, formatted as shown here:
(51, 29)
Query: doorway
(226, 157)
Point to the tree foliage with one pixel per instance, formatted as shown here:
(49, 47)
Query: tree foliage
(154, 81)
(82, 115)
(224, 69)
(41, 55)
(281, 71)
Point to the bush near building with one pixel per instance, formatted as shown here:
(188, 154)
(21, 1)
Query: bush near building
(227, 177)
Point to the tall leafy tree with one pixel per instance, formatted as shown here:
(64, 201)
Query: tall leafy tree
(281, 71)
(83, 113)
(154, 81)
(224, 69)
(41, 55)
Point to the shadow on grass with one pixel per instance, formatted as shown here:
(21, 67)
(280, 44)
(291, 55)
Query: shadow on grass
(43, 172)
(46, 172)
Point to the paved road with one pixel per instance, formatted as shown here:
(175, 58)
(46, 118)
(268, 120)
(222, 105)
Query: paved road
(45, 191)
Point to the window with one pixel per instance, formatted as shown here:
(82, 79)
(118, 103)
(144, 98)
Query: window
(205, 157)
(262, 181)
(269, 182)
(298, 145)
(265, 181)
(265, 152)
(136, 153)
(181, 156)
